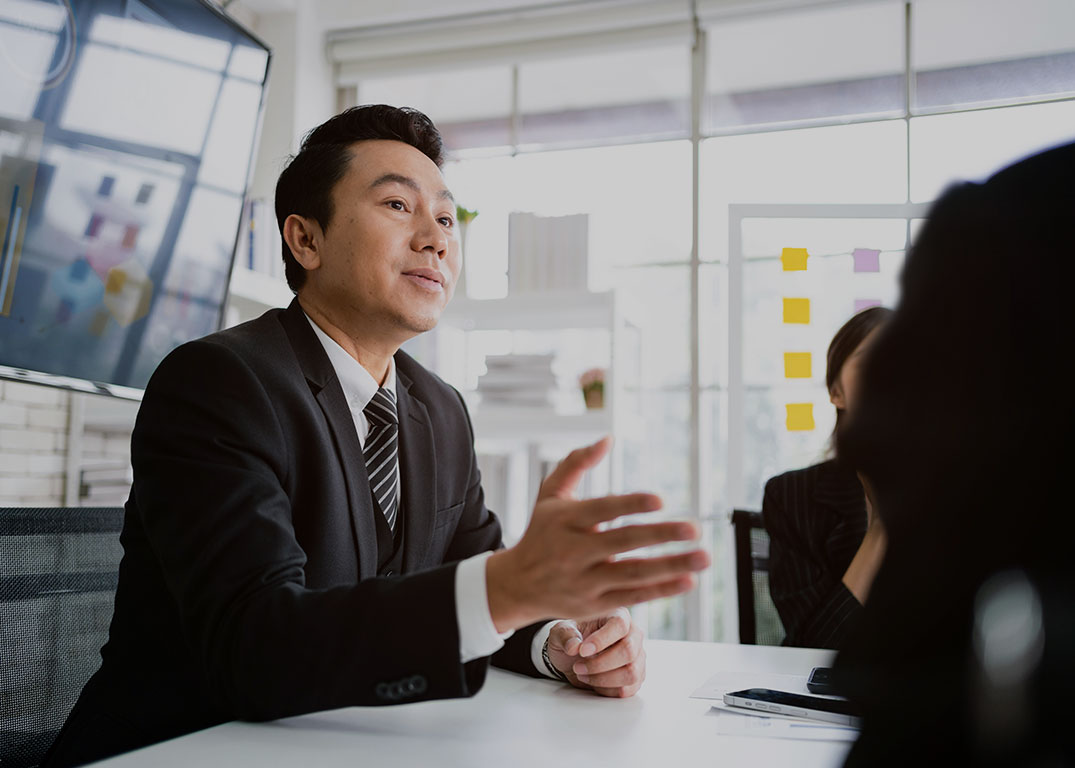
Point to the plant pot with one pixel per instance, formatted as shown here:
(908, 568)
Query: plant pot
(594, 397)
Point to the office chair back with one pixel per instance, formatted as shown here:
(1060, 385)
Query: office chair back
(759, 622)
(58, 574)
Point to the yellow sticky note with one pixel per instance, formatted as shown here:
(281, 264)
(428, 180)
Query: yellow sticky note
(797, 365)
(794, 259)
(117, 278)
(800, 417)
(796, 310)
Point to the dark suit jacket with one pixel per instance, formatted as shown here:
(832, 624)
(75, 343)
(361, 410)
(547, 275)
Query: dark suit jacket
(248, 585)
(816, 518)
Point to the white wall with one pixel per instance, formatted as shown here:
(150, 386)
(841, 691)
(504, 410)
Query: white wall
(301, 93)
(277, 129)
(48, 436)
(33, 444)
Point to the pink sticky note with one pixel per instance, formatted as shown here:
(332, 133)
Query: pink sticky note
(861, 304)
(867, 259)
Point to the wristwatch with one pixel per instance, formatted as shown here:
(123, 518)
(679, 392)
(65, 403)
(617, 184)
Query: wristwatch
(549, 665)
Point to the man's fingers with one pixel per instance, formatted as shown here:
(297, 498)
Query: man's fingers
(636, 595)
(615, 628)
(566, 635)
(586, 514)
(615, 678)
(627, 651)
(646, 571)
(563, 480)
(632, 581)
(628, 676)
(617, 693)
(628, 537)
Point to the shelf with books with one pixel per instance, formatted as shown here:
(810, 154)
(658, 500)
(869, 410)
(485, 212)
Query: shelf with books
(543, 341)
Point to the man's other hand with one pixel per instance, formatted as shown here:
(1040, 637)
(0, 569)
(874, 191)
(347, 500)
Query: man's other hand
(605, 654)
(568, 564)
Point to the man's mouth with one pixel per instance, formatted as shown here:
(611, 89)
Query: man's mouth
(430, 279)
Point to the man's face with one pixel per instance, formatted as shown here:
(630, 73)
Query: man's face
(390, 256)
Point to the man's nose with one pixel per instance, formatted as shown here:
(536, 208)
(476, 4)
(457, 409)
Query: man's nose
(430, 235)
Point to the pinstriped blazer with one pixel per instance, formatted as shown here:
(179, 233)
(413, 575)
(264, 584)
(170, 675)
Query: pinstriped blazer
(816, 519)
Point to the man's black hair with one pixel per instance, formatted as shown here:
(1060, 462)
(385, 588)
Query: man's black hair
(305, 185)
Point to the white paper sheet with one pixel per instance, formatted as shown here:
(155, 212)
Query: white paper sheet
(736, 721)
(731, 723)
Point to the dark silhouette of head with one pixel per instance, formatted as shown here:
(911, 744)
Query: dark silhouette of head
(964, 426)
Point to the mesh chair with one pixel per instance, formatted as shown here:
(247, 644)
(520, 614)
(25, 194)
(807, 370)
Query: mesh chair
(759, 622)
(58, 574)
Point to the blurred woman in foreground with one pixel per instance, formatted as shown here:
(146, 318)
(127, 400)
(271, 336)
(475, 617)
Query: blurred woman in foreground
(965, 653)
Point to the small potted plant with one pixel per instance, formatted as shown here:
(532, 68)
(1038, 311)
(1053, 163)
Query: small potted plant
(593, 388)
(464, 216)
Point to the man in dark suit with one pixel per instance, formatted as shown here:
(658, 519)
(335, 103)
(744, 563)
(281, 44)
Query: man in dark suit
(307, 528)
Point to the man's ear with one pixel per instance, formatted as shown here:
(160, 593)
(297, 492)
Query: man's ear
(836, 396)
(303, 237)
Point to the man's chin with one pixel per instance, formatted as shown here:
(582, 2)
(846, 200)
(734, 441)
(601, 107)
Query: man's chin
(417, 324)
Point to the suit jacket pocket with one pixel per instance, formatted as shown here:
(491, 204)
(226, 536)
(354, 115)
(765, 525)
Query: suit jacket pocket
(448, 516)
(444, 525)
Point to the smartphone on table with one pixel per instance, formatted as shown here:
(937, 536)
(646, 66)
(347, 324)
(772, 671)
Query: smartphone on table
(820, 681)
(838, 711)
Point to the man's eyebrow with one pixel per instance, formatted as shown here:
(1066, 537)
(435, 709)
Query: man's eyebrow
(395, 178)
(407, 181)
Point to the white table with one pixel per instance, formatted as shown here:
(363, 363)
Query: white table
(520, 721)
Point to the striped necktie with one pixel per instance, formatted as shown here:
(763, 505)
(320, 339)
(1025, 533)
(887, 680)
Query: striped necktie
(380, 452)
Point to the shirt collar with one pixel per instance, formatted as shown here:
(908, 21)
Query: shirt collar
(358, 386)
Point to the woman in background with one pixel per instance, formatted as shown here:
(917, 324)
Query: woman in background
(965, 652)
(825, 542)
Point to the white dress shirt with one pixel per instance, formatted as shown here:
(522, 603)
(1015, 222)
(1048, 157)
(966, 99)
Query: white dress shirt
(477, 633)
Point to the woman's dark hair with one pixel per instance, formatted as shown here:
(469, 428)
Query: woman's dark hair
(306, 183)
(846, 341)
(965, 428)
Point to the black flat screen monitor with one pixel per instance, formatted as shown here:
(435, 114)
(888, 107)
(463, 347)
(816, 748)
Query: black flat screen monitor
(127, 130)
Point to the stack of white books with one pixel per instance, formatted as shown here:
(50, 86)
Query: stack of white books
(548, 253)
(517, 381)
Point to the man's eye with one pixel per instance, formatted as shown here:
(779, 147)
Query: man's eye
(396, 204)
(446, 221)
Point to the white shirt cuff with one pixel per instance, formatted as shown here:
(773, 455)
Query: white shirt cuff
(477, 634)
(537, 644)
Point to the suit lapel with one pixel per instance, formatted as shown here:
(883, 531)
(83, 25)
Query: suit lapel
(326, 389)
(417, 474)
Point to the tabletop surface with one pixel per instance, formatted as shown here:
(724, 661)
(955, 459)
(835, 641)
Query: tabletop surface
(520, 721)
